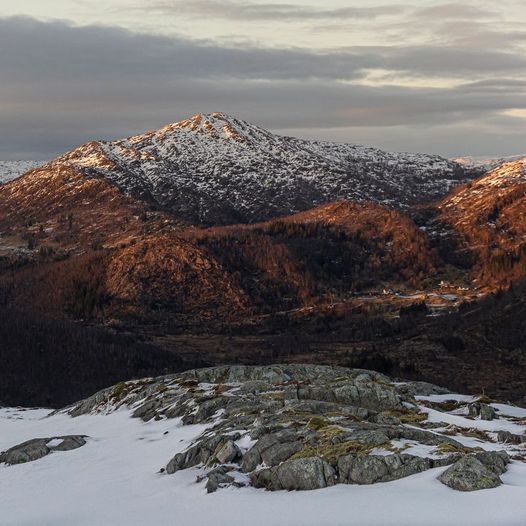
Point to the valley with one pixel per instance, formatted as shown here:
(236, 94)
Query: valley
(284, 250)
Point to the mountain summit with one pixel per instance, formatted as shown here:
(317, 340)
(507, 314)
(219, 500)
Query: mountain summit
(216, 169)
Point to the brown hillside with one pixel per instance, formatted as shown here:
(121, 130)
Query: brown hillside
(58, 208)
(489, 216)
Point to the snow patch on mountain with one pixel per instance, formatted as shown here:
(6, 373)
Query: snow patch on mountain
(214, 168)
(505, 177)
(10, 170)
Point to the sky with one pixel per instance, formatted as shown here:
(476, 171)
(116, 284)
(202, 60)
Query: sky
(405, 75)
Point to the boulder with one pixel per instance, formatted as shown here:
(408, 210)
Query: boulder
(495, 461)
(369, 469)
(298, 474)
(470, 474)
(228, 452)
(40, 447)
(484, 411)
(217, 478)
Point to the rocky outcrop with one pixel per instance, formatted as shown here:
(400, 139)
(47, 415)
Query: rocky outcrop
(303, 427)
(40, 447)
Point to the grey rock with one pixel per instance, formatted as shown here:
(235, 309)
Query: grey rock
(362, 392)
(420, 435)
(198, 454)
(446, 461)
(216, 479)
(385, 419)
(255, 387)
(484, 411)
(369, 437)
(203, 452)
(469, 474)
(147, 411)
(332, 416)
(228, 452)
(40, 447)
(299, 474)
(421, 389)
(369, 469)
(272, 449)
(319, 407)
(495, 461)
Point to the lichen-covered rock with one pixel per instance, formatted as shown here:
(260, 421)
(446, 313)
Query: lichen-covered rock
(202, 453)
(40, 447)
(470, 474)
(272, 449)
(368, 469)
(385, 419)
(421, 389)
(299, 474)
(495, 461)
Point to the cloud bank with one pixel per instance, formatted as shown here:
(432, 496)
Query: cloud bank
(63, 85)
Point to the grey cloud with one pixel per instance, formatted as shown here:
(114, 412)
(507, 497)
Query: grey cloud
(450, 60)
(63, 85)
(251, 11)
(455, 10)
(57, 52)
(63, 52)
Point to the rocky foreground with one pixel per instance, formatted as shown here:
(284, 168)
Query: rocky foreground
(305, 427)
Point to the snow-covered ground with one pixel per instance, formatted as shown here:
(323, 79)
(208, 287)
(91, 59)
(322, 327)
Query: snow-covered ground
(113, 480)
(12, 169)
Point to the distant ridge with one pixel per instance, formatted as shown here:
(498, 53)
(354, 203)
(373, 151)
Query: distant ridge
(10, 170)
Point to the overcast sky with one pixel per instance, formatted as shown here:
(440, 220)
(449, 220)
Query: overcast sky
(415, 75)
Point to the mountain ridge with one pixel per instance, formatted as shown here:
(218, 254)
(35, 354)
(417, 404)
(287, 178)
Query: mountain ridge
(489, 217)
(216, 169)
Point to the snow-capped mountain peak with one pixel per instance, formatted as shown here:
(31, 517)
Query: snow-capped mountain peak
(214, 168)
(218, 125)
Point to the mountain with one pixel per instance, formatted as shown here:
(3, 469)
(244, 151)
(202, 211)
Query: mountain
(216, 169)
(488, 216)
(12, 169)
(112, 264)
(110, 235)
(110, 223)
